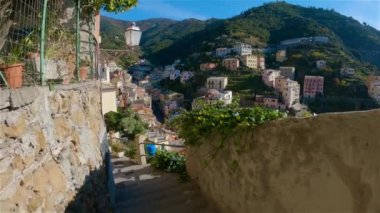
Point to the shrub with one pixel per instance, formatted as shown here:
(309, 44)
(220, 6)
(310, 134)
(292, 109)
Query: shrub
(117, 146)
(195, 124)
(170, 162)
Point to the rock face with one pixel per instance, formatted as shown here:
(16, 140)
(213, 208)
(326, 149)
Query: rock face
(329, 163)
(52, 150)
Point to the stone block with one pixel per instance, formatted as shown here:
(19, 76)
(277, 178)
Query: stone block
(62, 128)
(4, 99)
(23, 96)
(16, 129)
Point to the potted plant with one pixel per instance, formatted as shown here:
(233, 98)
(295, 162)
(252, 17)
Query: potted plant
(12, 67)
(84, 68)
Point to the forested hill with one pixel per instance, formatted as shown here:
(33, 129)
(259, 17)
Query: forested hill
(164, 40)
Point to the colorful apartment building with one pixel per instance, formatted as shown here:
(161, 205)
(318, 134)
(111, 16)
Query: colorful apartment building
(312, 86)
(242, 49)
(222, 52)
(231, 63)
(213, 96)
(291, 93)
(269, 76)
(347, 71)
(219, 83)
(321, 64)
(207, 66)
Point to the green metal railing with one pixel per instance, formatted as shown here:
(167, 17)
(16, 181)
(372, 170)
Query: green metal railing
(52, 39)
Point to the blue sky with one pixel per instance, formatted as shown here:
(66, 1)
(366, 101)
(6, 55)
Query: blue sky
(362, 10)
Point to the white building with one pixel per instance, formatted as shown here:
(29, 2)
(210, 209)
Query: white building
(291, 93)
(269, 76)
(321, 64)
(288, 72)
(174, 74)
(242, 49)
(218, 83)
(109, 101)
(213, 96)
(346, 71)
(222, 52)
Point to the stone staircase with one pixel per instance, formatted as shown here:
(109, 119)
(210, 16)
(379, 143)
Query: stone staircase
(141, 188)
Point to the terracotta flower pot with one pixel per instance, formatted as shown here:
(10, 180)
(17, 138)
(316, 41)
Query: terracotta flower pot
(83, 72)
(13, 75)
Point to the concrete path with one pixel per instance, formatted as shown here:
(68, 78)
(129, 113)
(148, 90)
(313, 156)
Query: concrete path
(141, 189)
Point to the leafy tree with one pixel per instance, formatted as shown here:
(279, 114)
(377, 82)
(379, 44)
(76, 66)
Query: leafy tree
(127, 122)
(115, 6)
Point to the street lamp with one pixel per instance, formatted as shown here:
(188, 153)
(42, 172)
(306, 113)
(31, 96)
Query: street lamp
(133, 35)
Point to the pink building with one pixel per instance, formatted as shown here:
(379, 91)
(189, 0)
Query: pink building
(231, 63)
(312, 86)
(207, 66)
(271, 102)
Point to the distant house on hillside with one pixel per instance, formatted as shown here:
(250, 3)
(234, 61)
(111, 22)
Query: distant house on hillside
(242, 49)
(253, 61)
(207, 66)
(218, 83)
(321, 64)
(345, 71)
(231, 63)
(222, 52)
(174, 74)
(371, 79)
(213, 96)
(312, 86)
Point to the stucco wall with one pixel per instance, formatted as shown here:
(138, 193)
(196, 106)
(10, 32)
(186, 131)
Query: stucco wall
(329, 163)
(109, 100)
(50, 147)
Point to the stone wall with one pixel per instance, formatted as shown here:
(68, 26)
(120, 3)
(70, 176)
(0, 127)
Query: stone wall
(329, 163)
(52, 149)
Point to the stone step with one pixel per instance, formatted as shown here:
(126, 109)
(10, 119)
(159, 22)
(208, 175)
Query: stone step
(157, 194)
(142, 189)
(164, 203)
(165, 180)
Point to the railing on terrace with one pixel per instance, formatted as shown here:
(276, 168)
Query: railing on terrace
(53, 41)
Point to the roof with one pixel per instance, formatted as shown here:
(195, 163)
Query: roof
(217, 78)
(108, 87)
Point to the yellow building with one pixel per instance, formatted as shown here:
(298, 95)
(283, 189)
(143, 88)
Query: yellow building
(253, 61)
(249, 61)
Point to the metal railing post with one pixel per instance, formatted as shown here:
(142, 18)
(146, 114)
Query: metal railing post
(77, 49)
(42, 43)
(91, 42)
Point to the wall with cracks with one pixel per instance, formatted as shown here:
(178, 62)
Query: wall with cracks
(52, 144)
